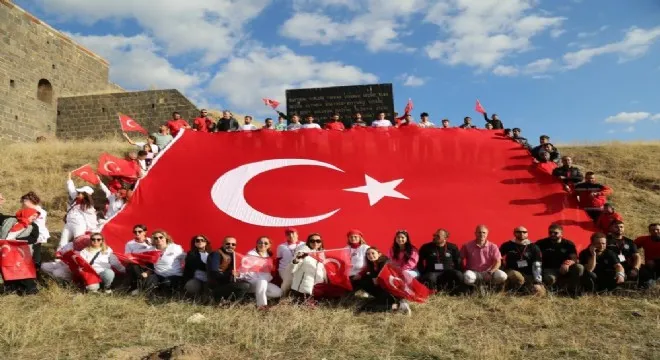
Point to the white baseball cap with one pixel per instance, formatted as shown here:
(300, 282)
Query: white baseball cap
(85, 189)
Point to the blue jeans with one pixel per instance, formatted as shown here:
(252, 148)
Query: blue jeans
(107, 277)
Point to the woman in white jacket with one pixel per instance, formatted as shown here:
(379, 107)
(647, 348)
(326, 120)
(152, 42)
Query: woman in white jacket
(260, 284)
(306, 271)
(358, 248)
(167, 273)
(81, 215)
(32, 201)
(102, 260)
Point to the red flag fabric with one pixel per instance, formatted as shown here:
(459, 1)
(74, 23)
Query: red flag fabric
(81, 271)
(250, 263)
(353, 178)
(270, 102)
(86, 173)
(128, 124)
(16, 261)
(409, 107)
(479, 108)
(337, 264)
(402, 285)
(144, 258)
(113, 166)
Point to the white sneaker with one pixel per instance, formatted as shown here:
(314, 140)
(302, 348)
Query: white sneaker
(361, 294)
(135, 292)
(404, 308)
(107, 291)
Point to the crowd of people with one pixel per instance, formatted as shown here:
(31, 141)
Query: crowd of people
(163, 267)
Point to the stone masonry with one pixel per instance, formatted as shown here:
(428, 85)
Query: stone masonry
(96, 116)
(38, 65)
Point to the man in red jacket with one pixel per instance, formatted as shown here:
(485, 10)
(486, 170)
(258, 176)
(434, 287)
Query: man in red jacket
(592, 195)
(176, 124)
(334, 123)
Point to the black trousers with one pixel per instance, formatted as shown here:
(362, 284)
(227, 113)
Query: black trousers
(381, 301)
(450, 280)
(649, 273)
(230, 291)
(594, 214)
(592, 282)
(21, 287)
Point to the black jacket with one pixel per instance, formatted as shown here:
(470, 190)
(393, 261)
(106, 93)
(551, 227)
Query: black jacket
(223, 125)
(572, 174)
(31, 238)
(431, 254)
(193, 263)
(217, 275)
(371, 270)
(497, 124)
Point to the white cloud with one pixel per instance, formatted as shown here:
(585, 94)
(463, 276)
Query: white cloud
(504, 70)
(555, 33)
(635, 44)
(628, 117)
(261, 72)
(378, 24)
(210, 28)
(136, 65)
(535, 68)
(629, 129)
(411, 80)
(483, 33)
(656, 117)
(586, 34)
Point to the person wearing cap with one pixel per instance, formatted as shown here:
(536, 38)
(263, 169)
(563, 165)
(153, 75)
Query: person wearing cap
(424, 121)
(80, 216)
(440, 263)
(522, 263)
(607, 217)
(286, 251)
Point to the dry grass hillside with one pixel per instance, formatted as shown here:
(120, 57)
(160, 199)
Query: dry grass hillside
(63, 324)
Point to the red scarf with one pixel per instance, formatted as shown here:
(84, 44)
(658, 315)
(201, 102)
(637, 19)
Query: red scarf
(23, 219)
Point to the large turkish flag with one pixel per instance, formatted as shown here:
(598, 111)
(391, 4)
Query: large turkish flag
(257, 183)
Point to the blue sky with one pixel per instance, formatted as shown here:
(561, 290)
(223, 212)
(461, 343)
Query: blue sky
(578, 70)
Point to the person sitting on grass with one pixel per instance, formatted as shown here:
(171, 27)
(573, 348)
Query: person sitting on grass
(140, 242)
(650, 271)
(116, 201)
(440, 264)
(606, 218)
(260, 284)
(482, 261)
(568, 174)
(592, 196)
(625, 249)
(358, 249)
(381, 299)
(305, 271)
(167, 272)
(522, 263)
(19, 227)
(559, 260)
(80, 216)
(602, 268)
(194, 270)
(221, 274)
(403, 254)
(32, 201)
(100, 257)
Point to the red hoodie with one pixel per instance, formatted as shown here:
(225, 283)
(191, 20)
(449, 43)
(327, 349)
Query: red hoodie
(605, 220)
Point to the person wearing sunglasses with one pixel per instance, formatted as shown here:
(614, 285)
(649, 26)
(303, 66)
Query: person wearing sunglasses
(102, 260)
(140, 241)
(260, 284)
(403, 254)
(522, 263)
(222, 275)
(306, 271)
(560, 260)
(194, 271)
(167, 272)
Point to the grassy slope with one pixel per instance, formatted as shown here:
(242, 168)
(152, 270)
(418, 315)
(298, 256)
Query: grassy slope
(63, 324)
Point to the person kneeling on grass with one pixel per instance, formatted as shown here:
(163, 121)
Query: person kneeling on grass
(260, 284)
(368, 281)
(522, 263)
(167, 272)
(482, 260)
(222, 276)
(100, 257)
(602, 268)
(194, 271)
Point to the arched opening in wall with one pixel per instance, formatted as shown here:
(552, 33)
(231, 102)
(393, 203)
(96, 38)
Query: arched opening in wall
(45, 91)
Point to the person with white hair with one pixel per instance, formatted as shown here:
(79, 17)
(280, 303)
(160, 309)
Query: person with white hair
(80, 216)
(482, 260)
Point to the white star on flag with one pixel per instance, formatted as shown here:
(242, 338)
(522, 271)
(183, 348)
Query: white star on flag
(376, 190)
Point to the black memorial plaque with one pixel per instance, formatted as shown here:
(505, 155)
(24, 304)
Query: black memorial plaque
(368, 100)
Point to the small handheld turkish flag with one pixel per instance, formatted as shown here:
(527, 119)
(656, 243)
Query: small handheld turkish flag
(409, 107)
(252, 264)
(81, 270)
(86, 173)
(128, 124)
(113, 166)
(16, 261)
(402, 285)
(479, 108)
(270, 102)
(337, 264)
(144, 258)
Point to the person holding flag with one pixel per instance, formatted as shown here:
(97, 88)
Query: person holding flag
(305, 271)
(382, 299)
(116, 201)
(32, 201)
(80, 216)
(221, 272)
(167, 272)
(100, 257)
(19, 227)
(259, 275)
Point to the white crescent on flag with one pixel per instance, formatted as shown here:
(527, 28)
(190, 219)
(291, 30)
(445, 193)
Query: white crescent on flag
(130, 123)
(105, 166)
(3, 253)
(392, 279)
(228, 193)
